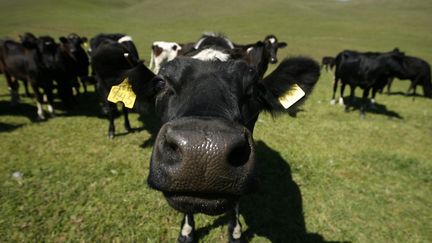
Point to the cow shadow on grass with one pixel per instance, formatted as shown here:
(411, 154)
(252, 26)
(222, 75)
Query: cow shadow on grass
(275, 212)
(376, 108)
(20, 109)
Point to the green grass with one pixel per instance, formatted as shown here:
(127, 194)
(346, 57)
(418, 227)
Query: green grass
(326, 174)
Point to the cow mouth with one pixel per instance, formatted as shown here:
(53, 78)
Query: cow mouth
(191, 203)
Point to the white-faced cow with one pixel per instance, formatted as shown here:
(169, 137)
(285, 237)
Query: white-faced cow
(111, 56)
(162, 52)
(365, 70)
(203, 159)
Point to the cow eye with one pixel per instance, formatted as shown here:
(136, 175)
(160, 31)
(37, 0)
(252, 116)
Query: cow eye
(159, 83)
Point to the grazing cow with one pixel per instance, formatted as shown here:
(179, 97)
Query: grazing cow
(111, 56)
(328, 63)
(163, 52)
(24, 61)
(365, 70)
(203, 159)
(419, 72)
(82, 61)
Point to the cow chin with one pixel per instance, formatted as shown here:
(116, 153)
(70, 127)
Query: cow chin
(201, 203)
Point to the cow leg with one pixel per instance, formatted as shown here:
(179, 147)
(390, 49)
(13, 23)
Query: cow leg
(351, 99)
(126, 119)
(389, 84)
(26, 89)
(341, 99)
(374, 91)
(187, 230)
(234, 226)
(13, 86)
(38, 97)
(83, 80)
(111, 116)
(335, 83)
(364, 102)
(49, 97)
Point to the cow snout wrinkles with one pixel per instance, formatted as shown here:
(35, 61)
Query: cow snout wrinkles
(203, 156)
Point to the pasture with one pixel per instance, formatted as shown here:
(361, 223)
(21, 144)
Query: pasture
(326, 175)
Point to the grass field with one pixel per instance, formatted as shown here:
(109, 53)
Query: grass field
(325, 176)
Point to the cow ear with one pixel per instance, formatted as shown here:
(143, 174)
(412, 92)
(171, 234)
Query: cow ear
(282, 44)
(63, 40)
(141, 80)
(289, 84)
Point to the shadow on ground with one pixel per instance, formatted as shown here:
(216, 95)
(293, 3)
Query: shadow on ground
(376, 108)
(275, 212)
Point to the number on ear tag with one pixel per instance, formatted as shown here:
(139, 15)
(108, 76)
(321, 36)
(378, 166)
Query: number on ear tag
(291, 96)
(124, 93)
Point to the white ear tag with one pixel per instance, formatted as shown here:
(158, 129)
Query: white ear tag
(291, 96)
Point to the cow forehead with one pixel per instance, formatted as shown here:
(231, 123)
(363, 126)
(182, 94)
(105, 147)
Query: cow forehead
(166, 45)
(192, 69)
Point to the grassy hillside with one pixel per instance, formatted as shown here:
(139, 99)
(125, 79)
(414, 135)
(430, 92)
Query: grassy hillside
(326, 175)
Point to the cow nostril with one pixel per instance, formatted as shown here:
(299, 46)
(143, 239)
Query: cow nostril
(172, 150)
(239, 155)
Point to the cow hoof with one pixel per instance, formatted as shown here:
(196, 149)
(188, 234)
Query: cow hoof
(111, 135)
(185, 239)
(333, 102)
(129, 129)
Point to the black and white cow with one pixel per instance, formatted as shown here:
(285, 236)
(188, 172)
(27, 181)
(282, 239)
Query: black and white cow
(111, 56)
(163, 52)
(203, 159)
(418, 71)
(365, 70)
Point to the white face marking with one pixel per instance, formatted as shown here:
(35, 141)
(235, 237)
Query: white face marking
(124, 39)
(272, 40)
(211, 55)
(186, 229)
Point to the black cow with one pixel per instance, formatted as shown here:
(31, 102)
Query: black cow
(418, 71)
(365, 70)
(328, 63)
(81, 58)
(111, 56)
(203, 159)
(24, 61)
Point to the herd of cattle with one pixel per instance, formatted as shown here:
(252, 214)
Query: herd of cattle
(208, 95)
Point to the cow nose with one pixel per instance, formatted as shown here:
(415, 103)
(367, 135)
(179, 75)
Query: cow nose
(202, 156)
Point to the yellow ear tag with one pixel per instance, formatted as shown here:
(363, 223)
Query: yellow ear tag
(122, 92)
(291, 96)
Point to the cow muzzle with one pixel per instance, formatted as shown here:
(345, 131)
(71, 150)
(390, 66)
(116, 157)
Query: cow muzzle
(203, 165)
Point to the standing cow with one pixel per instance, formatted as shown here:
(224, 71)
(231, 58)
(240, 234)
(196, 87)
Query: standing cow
(365, 70)
(111, 56)
(203, 159)
(418, 71)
